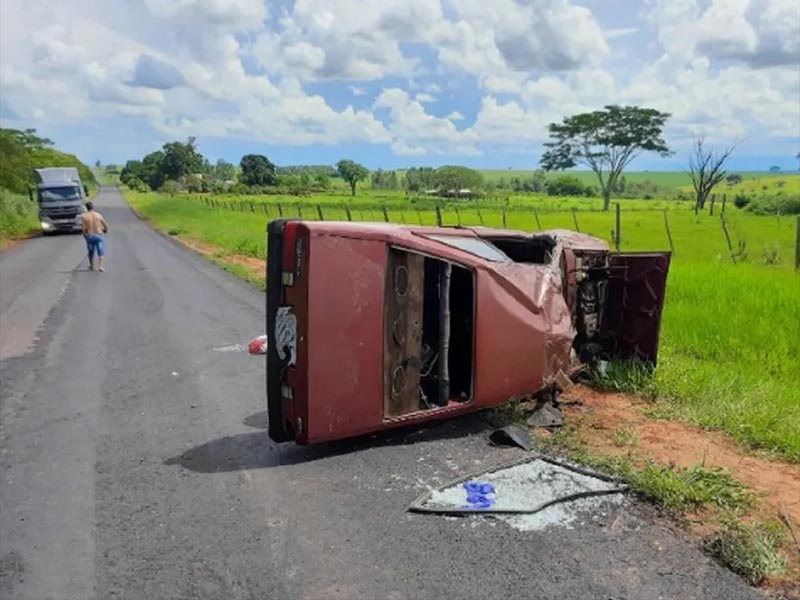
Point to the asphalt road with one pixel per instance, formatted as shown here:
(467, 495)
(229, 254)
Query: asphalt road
(135, 463)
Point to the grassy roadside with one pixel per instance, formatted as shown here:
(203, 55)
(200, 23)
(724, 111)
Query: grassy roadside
(729, 520)
(18, 216)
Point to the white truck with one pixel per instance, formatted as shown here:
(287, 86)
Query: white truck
(61, 196)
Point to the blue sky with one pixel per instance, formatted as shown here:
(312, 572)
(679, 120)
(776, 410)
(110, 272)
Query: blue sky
(396, 83)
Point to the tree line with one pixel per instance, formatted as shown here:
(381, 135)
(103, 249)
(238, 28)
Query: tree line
(604, 141)
(22, 151)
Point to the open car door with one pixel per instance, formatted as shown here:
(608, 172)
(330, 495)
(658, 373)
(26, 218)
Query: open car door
(637, 283)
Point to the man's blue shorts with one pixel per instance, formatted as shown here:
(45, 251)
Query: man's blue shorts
(95, 245)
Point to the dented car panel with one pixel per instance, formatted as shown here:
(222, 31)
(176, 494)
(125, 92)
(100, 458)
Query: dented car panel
(380, 325)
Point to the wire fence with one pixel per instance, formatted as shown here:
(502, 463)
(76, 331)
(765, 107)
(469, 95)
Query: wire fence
(625, 229)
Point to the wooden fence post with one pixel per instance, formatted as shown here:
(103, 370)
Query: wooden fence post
(265, 208)
(480, 216)
(280, 210)
(575, 219)
(252, 207)
(438, 216)
(458, 216)
(669, 233)
(711, 209)
(347, 211)
(536, 216)
(727, 239)
(505, 219)
(299, 211)
(419, 216)
(797, 246)
(618, 226)
(385, 213)
(724, 200)
(319, 213)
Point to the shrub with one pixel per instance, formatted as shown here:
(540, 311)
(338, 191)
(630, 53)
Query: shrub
(18, 215)
(170, 187)
(741, 200)
(779, 204)
(136, 184)
(565, 185)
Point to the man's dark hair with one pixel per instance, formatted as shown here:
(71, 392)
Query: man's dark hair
(89, 206)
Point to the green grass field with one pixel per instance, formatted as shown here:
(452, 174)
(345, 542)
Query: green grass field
(730, 351)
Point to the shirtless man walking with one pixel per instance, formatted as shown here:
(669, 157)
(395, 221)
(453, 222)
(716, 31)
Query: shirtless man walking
(94, 230)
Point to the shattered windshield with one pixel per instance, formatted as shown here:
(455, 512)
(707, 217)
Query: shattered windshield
(478, 247)
(60, 194)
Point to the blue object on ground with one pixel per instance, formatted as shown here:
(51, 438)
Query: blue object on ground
(478, 495)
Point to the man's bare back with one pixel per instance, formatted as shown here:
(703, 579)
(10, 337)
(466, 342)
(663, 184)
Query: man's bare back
(93, 223)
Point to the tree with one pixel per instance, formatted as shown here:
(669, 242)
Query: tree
(352, 173)
(420, 179)
(153, 170)
(384, 180)
(452, 179)
(224, 171)
(733, 179)
(16, 167)
(257, 170)
(707, 169)
(180, 160)
(538, 181)
(133, 169)
(606, 141)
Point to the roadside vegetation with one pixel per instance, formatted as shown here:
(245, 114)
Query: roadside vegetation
(18, 216)
(709, 502)
(20, 153)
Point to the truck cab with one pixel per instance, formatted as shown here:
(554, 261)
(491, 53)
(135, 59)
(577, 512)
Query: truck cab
(61, 197)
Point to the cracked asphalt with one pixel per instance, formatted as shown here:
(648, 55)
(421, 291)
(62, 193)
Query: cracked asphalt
(136, 464)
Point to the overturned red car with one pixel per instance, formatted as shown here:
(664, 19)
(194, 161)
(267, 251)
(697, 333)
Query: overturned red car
(374, 326)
